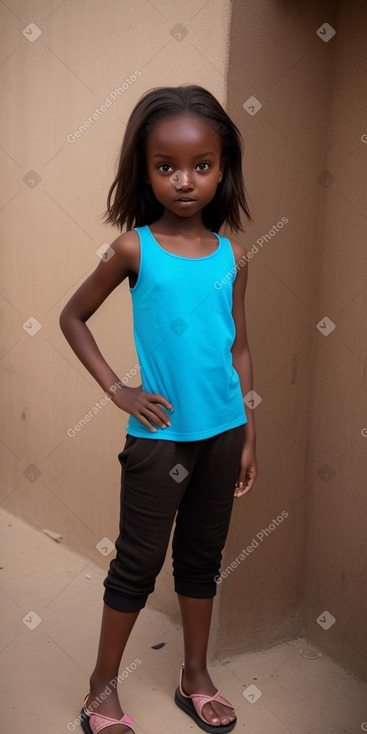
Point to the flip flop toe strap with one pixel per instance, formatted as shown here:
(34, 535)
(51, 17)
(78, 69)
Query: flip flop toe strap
(199, 701)
(98, 722)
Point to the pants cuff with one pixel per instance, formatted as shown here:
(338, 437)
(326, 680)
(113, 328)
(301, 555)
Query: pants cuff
(123, 603)
(196, 591)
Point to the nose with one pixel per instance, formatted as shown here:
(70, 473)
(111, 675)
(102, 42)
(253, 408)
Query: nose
(181, 180)
(185, 181)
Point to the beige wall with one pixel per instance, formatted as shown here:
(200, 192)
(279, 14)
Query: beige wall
(312, 386)
(51, 231)
(312, 453)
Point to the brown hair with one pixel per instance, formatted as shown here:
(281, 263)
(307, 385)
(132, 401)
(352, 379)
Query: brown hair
(134, 203)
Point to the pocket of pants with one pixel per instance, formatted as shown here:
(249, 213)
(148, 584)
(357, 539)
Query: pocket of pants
(123, 456)
(137, 452)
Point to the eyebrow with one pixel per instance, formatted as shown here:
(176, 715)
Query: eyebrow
(199, 155)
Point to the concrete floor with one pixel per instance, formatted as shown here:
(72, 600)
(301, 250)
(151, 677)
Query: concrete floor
(50, 612)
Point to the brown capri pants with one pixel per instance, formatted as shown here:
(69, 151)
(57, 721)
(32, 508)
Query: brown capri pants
(196, 480)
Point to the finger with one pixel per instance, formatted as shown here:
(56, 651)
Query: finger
(242, 488)
(152, 397)
(158, 410)
(145, 422)
(241, 492)
(156, 416)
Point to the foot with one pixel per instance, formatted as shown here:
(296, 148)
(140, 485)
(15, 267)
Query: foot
(214, 713)
(109, 707)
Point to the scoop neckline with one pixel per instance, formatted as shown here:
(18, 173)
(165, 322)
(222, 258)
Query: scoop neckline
(182, 257)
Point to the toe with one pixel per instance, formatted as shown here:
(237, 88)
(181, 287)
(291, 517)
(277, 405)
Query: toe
(224, 714)
(210, 715)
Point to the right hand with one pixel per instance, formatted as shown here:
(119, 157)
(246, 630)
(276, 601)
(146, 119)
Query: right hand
(143, 406)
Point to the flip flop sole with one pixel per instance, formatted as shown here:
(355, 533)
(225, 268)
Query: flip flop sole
(84, 721)
(186, 705)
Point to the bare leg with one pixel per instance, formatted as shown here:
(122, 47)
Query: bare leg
(115, 631)
(196, 617)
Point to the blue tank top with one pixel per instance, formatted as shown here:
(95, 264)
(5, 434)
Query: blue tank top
(184, 331)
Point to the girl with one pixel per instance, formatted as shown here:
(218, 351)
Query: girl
(190, 446)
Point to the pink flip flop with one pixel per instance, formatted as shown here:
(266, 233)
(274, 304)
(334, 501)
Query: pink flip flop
(93, 723)
(193, 706)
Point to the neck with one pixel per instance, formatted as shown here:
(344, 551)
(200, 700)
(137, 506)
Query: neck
(171, 224)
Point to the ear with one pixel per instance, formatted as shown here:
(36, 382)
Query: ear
(222, 167)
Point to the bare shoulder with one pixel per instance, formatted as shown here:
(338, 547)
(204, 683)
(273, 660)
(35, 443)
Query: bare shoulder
(240, 281)
(239, 251)
(126, 243)
(127, 248)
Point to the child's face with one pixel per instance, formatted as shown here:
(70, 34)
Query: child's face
(183, 164)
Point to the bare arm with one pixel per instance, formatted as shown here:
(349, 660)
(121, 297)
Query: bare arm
(242, 362)
(82, 305)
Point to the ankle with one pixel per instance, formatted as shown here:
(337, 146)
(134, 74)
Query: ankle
(195, 668)
(197, 680)
(100, 686)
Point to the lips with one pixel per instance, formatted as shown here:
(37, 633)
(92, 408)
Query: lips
(185, 198)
